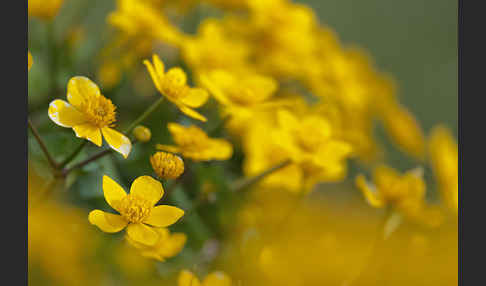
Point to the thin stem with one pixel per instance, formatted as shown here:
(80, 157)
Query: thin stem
(87, 161)
(42, 145)
(144, 115)
(73, 155)
(247, 182)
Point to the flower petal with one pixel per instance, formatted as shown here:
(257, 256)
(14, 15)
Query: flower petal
(186, 278)
(217, 278)
(153, 74)
(64, 114)
(80, 87)
(107, 222)
(90, 132)
(117, 141)
(191, 113)
(222, 149)
(195, 97)
(163, 216)
(159, 65)
(373, 198)
(113, 192)
(147, 188)
(142, 234)
(168, 148)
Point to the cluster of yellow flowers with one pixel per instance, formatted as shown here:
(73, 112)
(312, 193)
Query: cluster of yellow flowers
(297, 103)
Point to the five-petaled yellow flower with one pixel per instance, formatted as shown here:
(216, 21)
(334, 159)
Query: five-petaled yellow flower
(216, 278)
(193, 143)
(138, 212)
(89, 114)
(168, 245)
(173, 85)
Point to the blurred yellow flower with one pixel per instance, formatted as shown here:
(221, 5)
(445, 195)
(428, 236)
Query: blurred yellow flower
(138, 212)
(44, 9)
(30, 61)
(443, 155)
(192, 142)
(141, 18)
(168, 245)
(404, 130)
(166, 165)
(404, 192)
(142, 133)
(173, 85)
(89, 114)
(216, 278)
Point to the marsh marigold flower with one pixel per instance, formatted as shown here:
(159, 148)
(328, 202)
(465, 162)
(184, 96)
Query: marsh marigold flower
(89, 114)
(173, 85)
(192, 142)
(138, 212)
(166, 165)
(142, 133)
(168, 245)
(216, 278)
(443, 155)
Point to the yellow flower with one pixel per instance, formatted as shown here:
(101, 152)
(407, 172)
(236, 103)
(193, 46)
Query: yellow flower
(443, 154)
(166, 165)
(193, 143)
(138, 18)
(142, 133)
(89, 114)
(311, 143)
(30, 61)
(138, 212)
(173, 85)
(44, 9)
(404, 192)
(216, 278)
(167, 246)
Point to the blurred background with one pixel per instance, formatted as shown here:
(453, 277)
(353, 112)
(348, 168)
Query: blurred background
(414, 41)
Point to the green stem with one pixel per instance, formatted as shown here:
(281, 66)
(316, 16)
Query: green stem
(36, 134)
(247, 182)
(73, 155)
(144, 115)
(93, 158)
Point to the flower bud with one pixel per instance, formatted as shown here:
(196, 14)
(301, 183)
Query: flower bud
(142, 133)
(166, 165)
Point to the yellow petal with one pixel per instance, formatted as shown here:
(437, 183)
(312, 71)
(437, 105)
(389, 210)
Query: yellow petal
(90, 132)
(186, 278)
(222, 149)
(192, 113)
(30, 61)
(168, 148)
(80, 87)
(153, 74)
(195, 97)
(163, 216)
(368, 191)
(208, 81)
(142, 234)
(64, 114)
(287, 119)
(107, 222)
(147, 188)
(217, 278)
(117, 141)
(113, 192)
(159, 65)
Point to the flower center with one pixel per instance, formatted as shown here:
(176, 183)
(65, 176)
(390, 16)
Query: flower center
(134, 209)
(100, 111)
